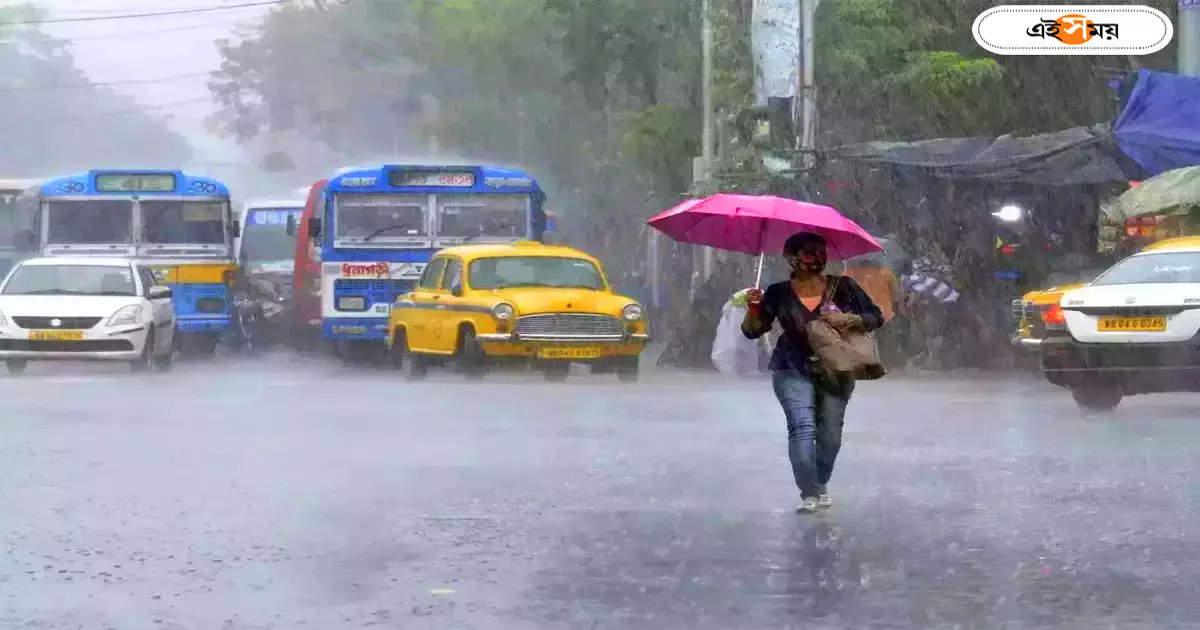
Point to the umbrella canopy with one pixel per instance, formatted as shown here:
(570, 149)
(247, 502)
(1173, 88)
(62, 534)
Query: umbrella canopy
(1169, 193)
(755, 224)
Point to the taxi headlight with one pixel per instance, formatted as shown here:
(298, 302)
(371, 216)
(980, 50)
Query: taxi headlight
(126, 316)
(632, 313)
(503, 311)
(352, 303)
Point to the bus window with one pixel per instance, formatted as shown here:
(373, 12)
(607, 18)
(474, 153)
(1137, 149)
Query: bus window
(175, 221)
(469, 216)
(89, 221)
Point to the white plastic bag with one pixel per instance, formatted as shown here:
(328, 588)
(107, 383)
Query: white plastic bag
(733, 354)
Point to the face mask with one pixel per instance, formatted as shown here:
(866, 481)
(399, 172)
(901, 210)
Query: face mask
(809, 262)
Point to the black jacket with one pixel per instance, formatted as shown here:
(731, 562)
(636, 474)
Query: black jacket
(780, 303)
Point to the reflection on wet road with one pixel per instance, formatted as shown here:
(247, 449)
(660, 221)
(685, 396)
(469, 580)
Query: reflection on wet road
(280, 494)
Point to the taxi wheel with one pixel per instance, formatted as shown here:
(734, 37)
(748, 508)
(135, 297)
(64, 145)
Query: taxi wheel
(16, 366)
(141, 363)
(165, 361)
(412, 365)
(471, 354)
(627, 369)
(1097, 398)
(556, 371)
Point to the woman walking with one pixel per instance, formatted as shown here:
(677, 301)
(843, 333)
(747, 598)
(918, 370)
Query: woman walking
(813, 403)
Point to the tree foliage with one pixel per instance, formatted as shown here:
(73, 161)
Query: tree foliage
(53, 120)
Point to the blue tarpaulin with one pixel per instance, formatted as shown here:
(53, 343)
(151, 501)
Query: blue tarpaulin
(1160, 125)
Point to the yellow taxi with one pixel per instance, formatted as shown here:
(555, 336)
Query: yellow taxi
(1034, 311)
(548, 304)
(1037, 310)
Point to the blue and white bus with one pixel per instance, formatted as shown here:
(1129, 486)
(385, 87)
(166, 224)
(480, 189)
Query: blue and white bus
(380, 226)
(179, 227)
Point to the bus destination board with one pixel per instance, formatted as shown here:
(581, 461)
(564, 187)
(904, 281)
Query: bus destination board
(434, 179)
(161, 183)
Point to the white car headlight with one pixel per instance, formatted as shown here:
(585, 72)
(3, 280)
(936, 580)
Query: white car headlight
(632, 312)
(126, 316)
(3, 322)
(503, 311)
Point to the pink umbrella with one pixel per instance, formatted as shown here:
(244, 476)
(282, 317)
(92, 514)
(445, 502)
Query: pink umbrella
(760, 224)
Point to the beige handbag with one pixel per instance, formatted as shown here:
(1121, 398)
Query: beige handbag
(852, 353)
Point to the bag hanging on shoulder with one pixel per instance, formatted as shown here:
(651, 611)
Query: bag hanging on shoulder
(853, 353)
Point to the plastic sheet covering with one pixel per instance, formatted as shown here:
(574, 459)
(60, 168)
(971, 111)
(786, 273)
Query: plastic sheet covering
(775, 39)
(1160, 125)
(1080, 155)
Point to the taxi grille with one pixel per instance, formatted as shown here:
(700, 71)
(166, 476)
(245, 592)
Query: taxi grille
(64, 323)
(86, 345)
(569, 324)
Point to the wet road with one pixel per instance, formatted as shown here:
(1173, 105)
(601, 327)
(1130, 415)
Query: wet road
(278, 494)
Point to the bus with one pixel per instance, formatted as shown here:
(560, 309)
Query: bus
(378, 227)
(305, 332)
(179, 225)
(267, 245)
(18, 203)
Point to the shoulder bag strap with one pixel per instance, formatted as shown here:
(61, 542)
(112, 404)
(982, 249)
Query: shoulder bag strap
(831, 284)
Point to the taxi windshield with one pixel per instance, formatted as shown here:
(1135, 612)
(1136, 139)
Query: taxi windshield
(70, 280)
(534, 271)
(1160, 268)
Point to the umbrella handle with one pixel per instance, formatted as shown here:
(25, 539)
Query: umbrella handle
(758, 275)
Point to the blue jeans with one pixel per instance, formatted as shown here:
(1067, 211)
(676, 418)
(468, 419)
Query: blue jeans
(814, 423)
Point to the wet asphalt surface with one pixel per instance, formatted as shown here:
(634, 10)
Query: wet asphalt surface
(279, 493)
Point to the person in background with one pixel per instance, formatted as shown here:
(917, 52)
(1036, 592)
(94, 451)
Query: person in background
(813, 405)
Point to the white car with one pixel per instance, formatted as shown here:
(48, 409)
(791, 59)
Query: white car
(85, 308)
(1133, 330)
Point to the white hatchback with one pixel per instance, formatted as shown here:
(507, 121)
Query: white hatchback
(1134, 330)
(69, 308)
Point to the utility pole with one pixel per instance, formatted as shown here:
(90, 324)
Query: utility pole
(706, 138)
(1188, 34)
(808, 88)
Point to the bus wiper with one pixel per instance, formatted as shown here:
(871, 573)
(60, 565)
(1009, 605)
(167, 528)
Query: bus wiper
(389, 228)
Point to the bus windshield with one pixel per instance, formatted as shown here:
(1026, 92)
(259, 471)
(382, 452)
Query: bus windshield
(380, 217)
(174, 221)
(470, 216)
(87, 221)
(265, 237)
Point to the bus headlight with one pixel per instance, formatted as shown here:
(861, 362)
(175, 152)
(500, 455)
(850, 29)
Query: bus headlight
(503, 311)
(632, 313)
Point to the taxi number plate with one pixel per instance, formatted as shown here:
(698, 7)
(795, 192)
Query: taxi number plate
(582, 352)
(56, 335)
(1134, 324)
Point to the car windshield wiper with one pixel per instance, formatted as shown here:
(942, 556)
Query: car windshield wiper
(389, 228)
(125, 293)
(51, 292)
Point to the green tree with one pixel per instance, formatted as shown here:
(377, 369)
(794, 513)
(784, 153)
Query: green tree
(52, 119)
